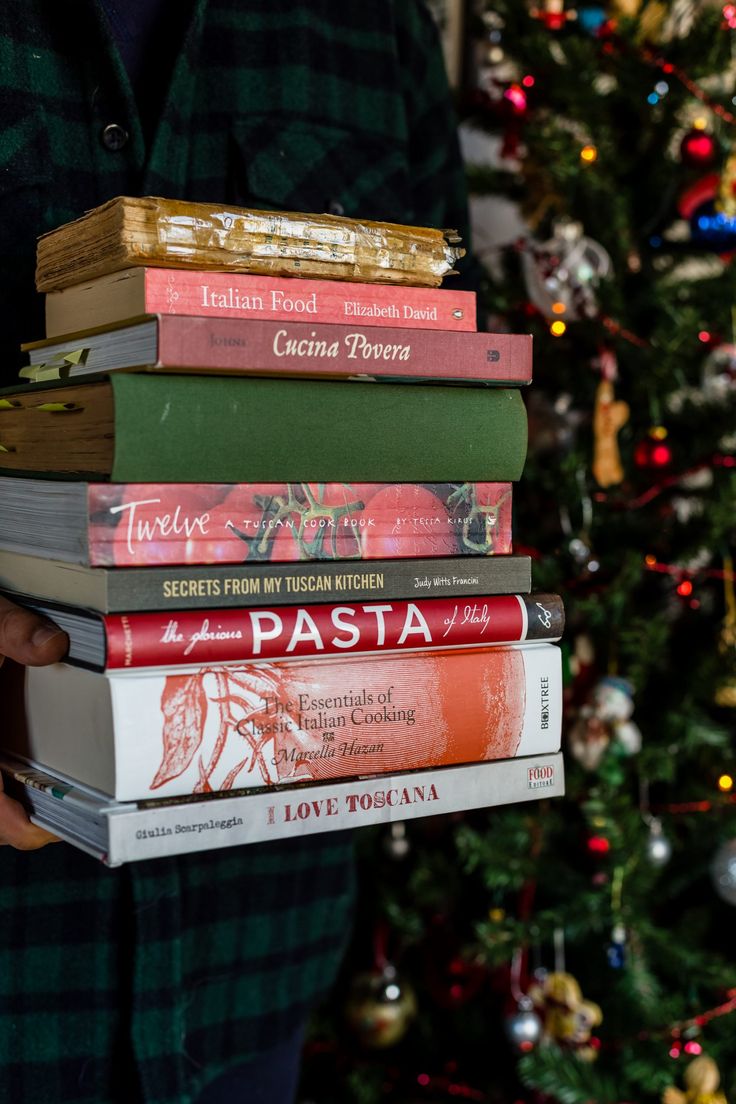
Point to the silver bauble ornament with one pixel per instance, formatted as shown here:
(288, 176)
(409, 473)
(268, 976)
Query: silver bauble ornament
(562, 274)
(524, 1027)
(718, 374)
(658, 847)
(723, 871)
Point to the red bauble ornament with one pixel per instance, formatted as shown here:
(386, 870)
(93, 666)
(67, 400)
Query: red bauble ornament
(653, 453)
(698, 149)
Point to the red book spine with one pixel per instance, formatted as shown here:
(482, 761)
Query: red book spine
(313, 350)
(229, 295)
(298, 632)
(154, 524)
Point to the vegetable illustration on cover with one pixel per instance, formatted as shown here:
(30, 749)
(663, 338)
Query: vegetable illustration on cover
(164, 523)
(228, 727)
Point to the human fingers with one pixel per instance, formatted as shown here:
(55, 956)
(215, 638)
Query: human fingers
(28, 638)
(16, 829)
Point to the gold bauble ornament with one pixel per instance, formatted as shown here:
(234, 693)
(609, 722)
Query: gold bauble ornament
(380, 1008)
(627, 8)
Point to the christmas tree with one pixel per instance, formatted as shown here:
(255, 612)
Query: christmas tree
(581, 950)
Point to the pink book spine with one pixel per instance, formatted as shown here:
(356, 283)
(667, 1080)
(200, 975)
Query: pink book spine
(314, 350)
(228, 295)
(154, 524)
(191, 638)
(221, 728)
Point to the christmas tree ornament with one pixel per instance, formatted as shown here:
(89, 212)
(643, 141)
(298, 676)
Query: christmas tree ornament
(553, 14)
(653, 453)
(723, 872)
(578, 540)
(567, 1019)
(701, 1084)
(658, 848)
(563, 273)
(616, 950)
(726, 198)
(603, 722)
(523, 1027)
(380, 1008)
(710, 228)
(582, 667)
(725, 695)
(698, 149)
(395, 843)
(592, 18)
(627, 8)
(718, 374)
(609, 417)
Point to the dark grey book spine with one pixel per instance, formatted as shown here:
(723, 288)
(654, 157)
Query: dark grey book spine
(545, 616)
(256, 584)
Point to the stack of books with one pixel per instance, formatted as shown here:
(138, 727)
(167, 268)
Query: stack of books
(273, 514)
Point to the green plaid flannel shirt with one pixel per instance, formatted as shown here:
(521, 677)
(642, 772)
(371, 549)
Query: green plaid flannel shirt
(144, 983)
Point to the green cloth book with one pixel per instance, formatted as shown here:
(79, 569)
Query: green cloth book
(142, 427)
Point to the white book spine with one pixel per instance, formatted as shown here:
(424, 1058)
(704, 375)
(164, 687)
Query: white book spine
(163, 830)
(158, 735)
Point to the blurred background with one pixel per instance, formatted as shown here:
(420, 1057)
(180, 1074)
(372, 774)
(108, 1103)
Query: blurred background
(581, 951)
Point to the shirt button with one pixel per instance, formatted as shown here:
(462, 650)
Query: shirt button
(114, 137)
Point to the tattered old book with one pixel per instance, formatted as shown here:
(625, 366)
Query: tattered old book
(149, 230)
(144, 427)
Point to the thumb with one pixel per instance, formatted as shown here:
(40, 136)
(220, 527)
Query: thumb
(28, 638)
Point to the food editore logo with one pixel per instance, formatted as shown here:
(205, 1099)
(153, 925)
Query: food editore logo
(540, 777)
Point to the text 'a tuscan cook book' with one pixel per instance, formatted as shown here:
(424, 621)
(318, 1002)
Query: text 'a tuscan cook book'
(148, 524)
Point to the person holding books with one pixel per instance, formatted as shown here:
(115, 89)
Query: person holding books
(188, 980)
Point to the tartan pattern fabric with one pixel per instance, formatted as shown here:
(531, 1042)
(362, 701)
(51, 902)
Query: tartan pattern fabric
(145, 982)
(141, 984)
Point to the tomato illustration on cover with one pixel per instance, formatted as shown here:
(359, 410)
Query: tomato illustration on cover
(255, 725)
(142, 525)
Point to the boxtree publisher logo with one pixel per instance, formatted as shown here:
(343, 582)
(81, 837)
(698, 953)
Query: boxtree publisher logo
(540, 777)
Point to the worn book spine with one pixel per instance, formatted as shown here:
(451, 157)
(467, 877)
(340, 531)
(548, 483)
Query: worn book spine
(142, 524)
(151, 230)
(128, 833)
(183, 343)
(232, 295)
(296, 632)
(137, 736)
(252, 584)
(162, 428)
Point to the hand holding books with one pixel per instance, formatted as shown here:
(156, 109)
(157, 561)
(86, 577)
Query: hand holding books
(26, 639)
